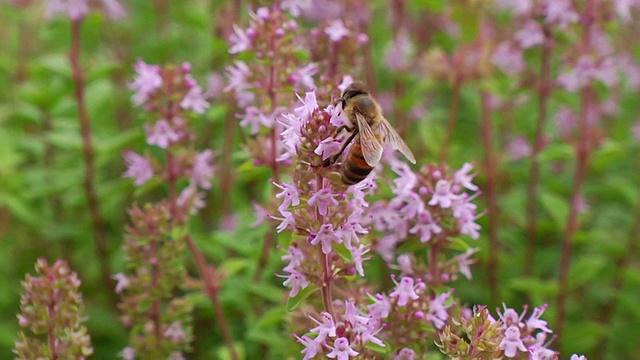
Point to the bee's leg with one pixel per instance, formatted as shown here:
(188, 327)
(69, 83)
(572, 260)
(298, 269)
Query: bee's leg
(331, 160)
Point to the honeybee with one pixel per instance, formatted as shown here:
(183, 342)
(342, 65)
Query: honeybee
(369, 131)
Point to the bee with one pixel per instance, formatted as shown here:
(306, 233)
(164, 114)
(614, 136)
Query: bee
(369, 131)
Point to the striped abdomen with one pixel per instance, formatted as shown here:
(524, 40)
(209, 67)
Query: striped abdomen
(354, 168)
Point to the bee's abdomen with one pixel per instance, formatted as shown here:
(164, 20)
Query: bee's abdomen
(355, 168)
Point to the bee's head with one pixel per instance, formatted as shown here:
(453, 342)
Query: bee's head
(353, 90)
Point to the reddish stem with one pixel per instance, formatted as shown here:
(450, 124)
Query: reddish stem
(226, 167)
(207, 272)
(582, 154)
(453, 118)
(492, 197)
(327, 277)
(88, 153)
(51, 325)
(544, 90)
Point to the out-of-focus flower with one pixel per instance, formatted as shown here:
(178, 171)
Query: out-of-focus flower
(74, 9)
(530, 35)
(519, 148)
(147, 80)
(405, 354)
(295, 7)
(161, 134)
(336, 30)
(175, 332)
(239, 40)
(194, 100)
(508, 59)
(138, 168)
(517, 7)
(560, 12)
(400, 52)
(635, 131)
(202, 170)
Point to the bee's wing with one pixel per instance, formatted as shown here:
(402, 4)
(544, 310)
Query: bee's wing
(371, 147)
(395, 140)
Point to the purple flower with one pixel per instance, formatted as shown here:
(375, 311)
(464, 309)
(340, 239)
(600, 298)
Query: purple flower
(194, 100)
(175, 332)
(404, 291)
(462, 177)
(530, 35)
(128, 353)
(380, 308)
(238, 76)
(519, 148)
(215, 86)
(122, 282)
(336, 30)
(371, 329)
(541, 353)
(138, 168)
(113, 9)
(289, 194)
(190, 198)
(297, 281)
(508, 59)
(74, 9)
(346, 81)
(623, 9)
(438, 311)
(202, 170)
(341, 350)
(311, 346)
(161, 134)
(255, 118)
(287, 222)
(295, 258)
(512, 342)
(309, 105)
(295, 7)
(510, 317)
(328, 147)
(560, 12)
(326, 236)
(303, 77)
(425, 226)
(176, 355)
(358, 258)
(400, 52)
(323, 199)
(534, 321)
(464, 262)
(146, 81)
(443, 194)
(405, 354)
(325, 328)
(239, 40)
(578, 357)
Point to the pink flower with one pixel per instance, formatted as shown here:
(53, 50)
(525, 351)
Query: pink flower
(295, 7)
(146, 81)
(309, 105)
(122, 282)
(534, 322)
(623, 9)
(194, 100)
(560, 12)
(289, 195)
(325, 328)
(508, 59)
(443, 194)
(326, 236)
(323, 199)
(346, 81)
(328, 147)
(311, 346)
(128, 353)
(404, 291)
(464, 262)
(113, 9)
(296, 281)
(238, 75)
(295, 258)
(510, 317)
(380, 308)
(400, 52)
(161, 134)
(303, 77)
(578, 357)
(341, 349)
(519, 148)
(191, 199)
(530, 35)
(287, 222)
(138, 168)
(512, 342)
(175, 332)
(240, 41)
(405, 354)
(358, 258)
(74, 9)
(336, 30)
(438, 311)
(426, 227)
(541, 353)
(202, 170)
(462, 177)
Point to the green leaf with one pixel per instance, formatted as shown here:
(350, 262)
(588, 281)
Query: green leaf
(344, 253)
(294, 302)
(584, 269)
(555, 152)
(267, 291)
(557, 207)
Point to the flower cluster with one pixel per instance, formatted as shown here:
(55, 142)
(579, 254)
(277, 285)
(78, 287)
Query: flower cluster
(432, 206)
(78, 9)
(347, 335)
(328, 214)
(52, 305)
(159, 319)
(476, 334)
